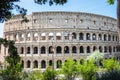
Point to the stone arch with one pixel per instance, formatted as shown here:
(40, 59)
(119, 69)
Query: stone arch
(43, 64)
(88, 49)
(43, 50)
(81, 49)
(94, 48)
(58, 49)
(28, 50)
(105, 37)
(51, 49)
(87, 36)
(28, 64)
(22, 63)
(35, 64)
(74, 49)
(66, 49)
(109, 37)
(81, 36)
(100, 49)
(58, 64)
(50, 62)
(94, 36)
(105, 49)
(74, 35)
(99, 37)
(22, 50)
(35, 50)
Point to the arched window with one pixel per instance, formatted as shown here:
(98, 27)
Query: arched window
(28, 50)
(66, 49)
(87, 36)
(94, 36)
(43, 36)
(22, 64)
(81, 49)
(51, 50)
(88, 49)
(58, 36)
(81, 35)
(116, 38)
(22, 50)
(109, 37)
(35, 50)
(43, 64)
(59, 64)
(43, 50)
(105, 37)
(28, 36)
(50, 62)
(99, 37)
(50, 36)
(28, 64)
(94, 48)
(100, 48)
(114, 49)
(113, 38)
(35, 64)
(66, 35)
(74, 36)
(74, 49)
(58, 49)
(105, 49)
(35, 36)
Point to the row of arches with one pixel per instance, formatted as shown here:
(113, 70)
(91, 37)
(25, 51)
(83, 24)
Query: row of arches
(43, 64)
(66, 35)
(67, 49)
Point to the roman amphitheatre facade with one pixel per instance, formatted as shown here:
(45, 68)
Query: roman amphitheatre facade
(51, 37)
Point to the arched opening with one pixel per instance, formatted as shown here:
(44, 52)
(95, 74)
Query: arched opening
(28, 37)
(88, 49)
(43, 50)
(74, 49)
(35, 50)
(94, 36)
(114, 49)
(35, 64)
(35, 36)
(74, 36)
(66, 49)
(66, 35)
(28, 50)
(105, 37)
(87, 36)
(50, 62)
(43, 64)
(105, 49)
(22, 50)
(43, 36)
(109, 37)
(99, 37)
(81, 49)
(51, 49)
(94, 48)
(28, 64)
(50, 36)
(81, 35)
(113, 38)
(58, 36)
(58, 49)
(100, 48)
(59, 64)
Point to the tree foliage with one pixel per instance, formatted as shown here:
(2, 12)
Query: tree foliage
(13, 69)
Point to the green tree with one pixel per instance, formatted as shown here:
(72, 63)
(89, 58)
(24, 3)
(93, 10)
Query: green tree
(87, 70)
(69, 69)
(13, 69)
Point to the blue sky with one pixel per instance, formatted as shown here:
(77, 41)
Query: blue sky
(90, 6)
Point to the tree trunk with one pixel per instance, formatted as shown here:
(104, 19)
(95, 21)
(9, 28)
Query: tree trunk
(118, 18)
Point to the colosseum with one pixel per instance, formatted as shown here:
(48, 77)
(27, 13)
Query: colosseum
(51, 37)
